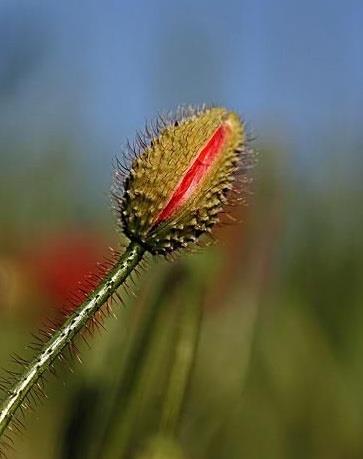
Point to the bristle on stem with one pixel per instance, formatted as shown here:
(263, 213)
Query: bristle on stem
(64, 336)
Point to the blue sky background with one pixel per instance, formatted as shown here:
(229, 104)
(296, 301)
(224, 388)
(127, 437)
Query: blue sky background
(96, 70)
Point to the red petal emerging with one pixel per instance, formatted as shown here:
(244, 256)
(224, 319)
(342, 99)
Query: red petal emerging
(195, 173)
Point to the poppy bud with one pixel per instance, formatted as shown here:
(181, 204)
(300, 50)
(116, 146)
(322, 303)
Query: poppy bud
(181, 177)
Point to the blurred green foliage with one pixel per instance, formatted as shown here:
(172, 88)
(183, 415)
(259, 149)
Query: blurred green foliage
(278, 370)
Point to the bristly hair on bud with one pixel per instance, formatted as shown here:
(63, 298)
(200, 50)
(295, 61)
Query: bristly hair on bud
(186, 169)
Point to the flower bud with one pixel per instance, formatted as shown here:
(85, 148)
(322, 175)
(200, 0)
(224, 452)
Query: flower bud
(182, 176)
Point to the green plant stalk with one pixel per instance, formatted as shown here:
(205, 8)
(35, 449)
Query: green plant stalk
(132, 384)
(68, 330)
(183, 362)
(186, 314)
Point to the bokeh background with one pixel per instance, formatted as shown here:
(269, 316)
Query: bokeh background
(276, 306)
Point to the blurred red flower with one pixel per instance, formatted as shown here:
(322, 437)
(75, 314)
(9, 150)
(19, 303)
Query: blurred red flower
(62, 261)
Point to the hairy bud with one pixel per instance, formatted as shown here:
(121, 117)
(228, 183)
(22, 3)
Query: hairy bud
(181, 177)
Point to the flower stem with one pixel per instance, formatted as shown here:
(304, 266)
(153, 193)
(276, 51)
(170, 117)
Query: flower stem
(67, 331)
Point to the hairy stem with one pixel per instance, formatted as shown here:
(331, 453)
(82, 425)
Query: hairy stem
(68, 330)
